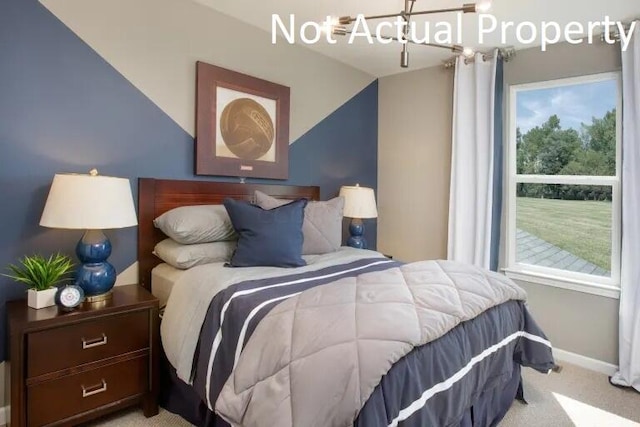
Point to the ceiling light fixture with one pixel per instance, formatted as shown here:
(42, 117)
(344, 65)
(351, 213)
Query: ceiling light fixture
(406, 14)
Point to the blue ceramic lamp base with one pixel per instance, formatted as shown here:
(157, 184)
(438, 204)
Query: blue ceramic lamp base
(95, 275)
(356, 229)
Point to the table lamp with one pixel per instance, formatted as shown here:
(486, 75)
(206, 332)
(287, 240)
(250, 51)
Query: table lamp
(359, 203)
(91, 202)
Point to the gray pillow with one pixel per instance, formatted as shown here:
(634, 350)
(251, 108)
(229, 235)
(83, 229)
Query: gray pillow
(197, 224)
(187, 256)
(322, 227)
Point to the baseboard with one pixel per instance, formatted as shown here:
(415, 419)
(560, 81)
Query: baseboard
(585, 362)
(3, 415)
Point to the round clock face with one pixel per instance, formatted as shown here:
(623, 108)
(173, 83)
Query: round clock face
(71, 296)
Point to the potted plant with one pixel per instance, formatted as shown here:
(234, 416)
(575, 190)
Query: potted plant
(40, 275)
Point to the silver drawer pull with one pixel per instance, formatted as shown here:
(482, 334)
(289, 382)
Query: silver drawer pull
(96, 342)
(90, 391)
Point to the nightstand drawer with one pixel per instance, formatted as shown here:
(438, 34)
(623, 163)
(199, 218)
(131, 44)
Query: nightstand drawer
(69, 346)
(56, 400)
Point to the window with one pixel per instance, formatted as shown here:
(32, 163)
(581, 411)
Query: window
(563, 188)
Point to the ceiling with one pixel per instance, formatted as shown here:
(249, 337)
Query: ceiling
(380, 60)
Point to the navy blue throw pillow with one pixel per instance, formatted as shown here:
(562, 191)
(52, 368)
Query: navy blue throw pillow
(268, 238)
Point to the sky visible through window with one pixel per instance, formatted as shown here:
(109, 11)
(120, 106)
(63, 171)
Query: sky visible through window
(574, 105)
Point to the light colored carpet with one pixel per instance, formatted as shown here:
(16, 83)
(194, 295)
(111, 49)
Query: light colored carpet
(135, 418)
(574, 397)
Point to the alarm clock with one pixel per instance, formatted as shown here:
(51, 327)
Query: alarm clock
(69, 297)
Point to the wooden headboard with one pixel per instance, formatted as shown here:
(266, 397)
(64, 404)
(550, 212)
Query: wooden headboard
(157, 196)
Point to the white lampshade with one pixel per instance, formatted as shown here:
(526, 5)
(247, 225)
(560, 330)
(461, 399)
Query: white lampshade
(91, 202)
(359, 202)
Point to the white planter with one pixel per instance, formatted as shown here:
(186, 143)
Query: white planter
(41, 299)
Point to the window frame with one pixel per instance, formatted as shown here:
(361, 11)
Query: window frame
(604, 286)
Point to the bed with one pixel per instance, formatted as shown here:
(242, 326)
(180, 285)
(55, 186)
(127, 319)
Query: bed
(383, 343)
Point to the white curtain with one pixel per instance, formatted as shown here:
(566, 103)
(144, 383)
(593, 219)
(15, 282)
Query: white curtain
(629, 371)
(470, 202)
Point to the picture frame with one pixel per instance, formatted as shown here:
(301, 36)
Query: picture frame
(242, 125)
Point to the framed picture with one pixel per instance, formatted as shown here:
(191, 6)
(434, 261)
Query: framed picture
(242, 125)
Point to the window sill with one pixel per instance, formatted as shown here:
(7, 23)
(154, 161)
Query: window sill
(607, 291)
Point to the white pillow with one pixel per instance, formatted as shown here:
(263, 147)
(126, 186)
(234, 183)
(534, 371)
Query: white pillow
(187, 256)
(197, 224)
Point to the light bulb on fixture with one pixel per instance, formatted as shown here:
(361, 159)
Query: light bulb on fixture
(332, 21)
(467, 52)
(331, 26)
(483, 6)
(480, 7)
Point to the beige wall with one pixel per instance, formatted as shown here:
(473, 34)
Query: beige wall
(577, 322)
(414, 157)
(561, 61)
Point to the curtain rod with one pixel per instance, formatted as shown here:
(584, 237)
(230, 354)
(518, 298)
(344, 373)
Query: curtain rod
(615, 34)
(506, 53)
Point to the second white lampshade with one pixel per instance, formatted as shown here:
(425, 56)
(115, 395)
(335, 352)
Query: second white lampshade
(359, 202)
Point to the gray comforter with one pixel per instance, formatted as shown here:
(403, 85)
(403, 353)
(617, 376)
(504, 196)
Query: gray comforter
(319, 353)
(192, 294)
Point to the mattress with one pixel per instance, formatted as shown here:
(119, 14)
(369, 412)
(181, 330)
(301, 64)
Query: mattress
(163, 278)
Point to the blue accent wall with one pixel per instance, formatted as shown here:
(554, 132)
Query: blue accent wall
(65, 109)
(341, 150)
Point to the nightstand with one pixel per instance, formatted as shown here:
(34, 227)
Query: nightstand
(70, 367)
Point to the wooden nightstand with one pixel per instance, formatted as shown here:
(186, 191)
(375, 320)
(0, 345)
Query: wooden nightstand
(68, 368)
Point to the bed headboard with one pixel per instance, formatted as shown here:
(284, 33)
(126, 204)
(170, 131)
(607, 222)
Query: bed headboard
(157, 196)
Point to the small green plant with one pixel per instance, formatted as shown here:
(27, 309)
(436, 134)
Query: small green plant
(40, 273)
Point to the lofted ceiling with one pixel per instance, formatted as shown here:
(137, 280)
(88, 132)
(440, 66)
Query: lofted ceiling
(380, 60)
